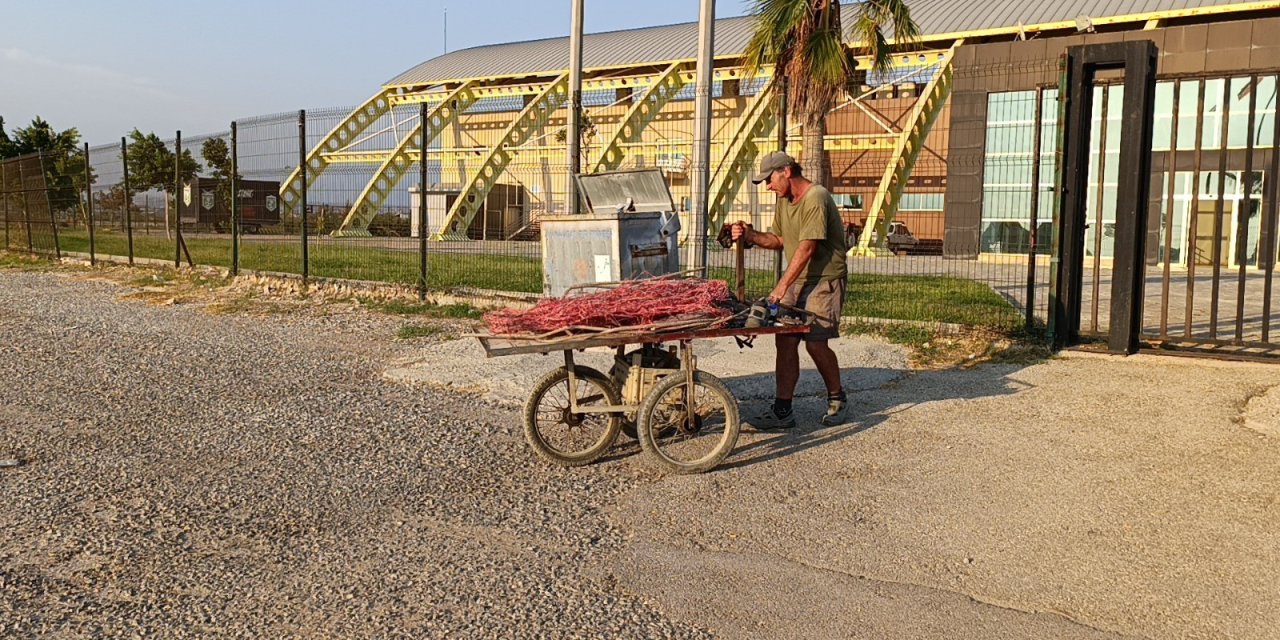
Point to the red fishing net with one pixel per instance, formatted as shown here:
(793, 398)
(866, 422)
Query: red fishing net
(634, 303)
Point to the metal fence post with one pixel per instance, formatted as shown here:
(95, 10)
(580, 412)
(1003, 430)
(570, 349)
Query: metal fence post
(422, 207)
(26, 206)
(177, 201)
(128, 197)
(88, 205)
(302, 169)
(4, 192)
(235, 204)
(53, 220)
(701, 165)
(783, 88)
(573, 139)
(1036, 145)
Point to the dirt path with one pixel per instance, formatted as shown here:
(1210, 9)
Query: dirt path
(188, 474)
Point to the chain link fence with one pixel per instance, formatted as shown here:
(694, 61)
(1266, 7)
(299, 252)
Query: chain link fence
(324, 194)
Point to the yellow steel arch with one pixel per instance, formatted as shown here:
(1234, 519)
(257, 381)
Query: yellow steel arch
(342, 135)
(761, 118)
(640, 115)
(400, 160)
(898, 170)
(534, 116)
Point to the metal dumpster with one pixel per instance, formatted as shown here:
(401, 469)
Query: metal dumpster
(629, 229)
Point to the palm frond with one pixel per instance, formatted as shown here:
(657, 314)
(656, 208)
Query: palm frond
(774, 36)
(869, 25)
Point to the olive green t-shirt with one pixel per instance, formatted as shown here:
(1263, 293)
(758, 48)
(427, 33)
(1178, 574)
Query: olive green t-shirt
(813, 217)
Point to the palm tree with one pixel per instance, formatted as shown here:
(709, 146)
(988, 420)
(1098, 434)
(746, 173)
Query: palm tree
(802, 39)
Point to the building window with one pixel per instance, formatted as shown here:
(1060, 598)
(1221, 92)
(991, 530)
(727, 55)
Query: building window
(848, 201)
(921, 201)
(1007, 172)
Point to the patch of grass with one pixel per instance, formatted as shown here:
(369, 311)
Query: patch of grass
(24, 262)
(911, 335)
(931, 348)
(944, 299)
(410, 331)
(404, 308)
(937, 299)
(330, 259)
(156, 278)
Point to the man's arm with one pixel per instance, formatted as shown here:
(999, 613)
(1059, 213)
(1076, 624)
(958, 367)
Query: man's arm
(762, 239)
(799, 262)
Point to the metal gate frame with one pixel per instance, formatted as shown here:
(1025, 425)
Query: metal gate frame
(1138, 60)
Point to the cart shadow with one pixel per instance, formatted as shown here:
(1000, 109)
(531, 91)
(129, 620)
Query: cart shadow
(869, 409)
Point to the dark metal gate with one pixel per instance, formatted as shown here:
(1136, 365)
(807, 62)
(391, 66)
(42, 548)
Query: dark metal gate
(1138, 60)
(1213, 290)
(1168, 207)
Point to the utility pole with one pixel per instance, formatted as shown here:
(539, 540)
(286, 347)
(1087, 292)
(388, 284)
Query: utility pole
(574, 137)
(702, 137)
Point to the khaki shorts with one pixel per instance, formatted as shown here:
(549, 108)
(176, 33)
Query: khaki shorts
(825, 298)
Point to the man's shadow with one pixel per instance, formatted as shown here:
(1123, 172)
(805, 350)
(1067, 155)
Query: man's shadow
(875, 394)
(868, 409)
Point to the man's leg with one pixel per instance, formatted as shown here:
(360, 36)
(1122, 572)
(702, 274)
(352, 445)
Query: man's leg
(787, 372)
(827, 299)
(787, 366)
(827, 362)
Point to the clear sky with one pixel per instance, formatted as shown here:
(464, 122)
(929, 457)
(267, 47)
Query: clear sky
(107, 67)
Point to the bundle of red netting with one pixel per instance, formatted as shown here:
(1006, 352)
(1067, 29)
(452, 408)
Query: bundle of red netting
(631, 304)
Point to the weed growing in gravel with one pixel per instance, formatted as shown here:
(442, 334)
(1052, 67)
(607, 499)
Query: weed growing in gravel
(153, 279)
(410, 331)
(24, 262)
(933, 348)
(250, 305)
(400, 307)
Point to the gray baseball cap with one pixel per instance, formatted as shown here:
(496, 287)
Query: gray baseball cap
(770, 163)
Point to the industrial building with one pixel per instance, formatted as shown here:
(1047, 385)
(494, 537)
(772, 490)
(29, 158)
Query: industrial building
(943, 142)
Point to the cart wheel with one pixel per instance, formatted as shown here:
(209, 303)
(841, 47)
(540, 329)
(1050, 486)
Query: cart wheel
(561, 436)
(683, 443)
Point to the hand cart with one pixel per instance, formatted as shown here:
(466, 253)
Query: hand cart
(685, 419)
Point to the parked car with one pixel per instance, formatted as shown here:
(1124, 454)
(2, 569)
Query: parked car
(900, 241)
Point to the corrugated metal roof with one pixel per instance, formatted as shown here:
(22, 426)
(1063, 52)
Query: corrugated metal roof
(680, 41)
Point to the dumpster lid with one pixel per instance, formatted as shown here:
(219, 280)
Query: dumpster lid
(608, 192)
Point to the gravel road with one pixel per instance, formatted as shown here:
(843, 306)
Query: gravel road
(194, 475)
(183, 474)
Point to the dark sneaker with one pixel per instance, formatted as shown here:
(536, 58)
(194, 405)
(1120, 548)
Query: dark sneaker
(767, 420)
(836, 411)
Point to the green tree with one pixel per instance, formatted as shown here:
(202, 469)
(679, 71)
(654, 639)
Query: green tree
(6, 145)
(151, 167)
(64, 162)
(803, 40)
(217, 157)
(110, 204)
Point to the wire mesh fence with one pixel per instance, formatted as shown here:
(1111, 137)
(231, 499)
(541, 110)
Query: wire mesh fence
(481, 181)
(35, 200)
(965, 236)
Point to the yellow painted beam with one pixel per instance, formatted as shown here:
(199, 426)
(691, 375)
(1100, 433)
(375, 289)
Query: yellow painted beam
(399, 161)
(739, 158)
(596, 84)
(906, 149)
(351, 127)
(642, 112)
(533, 118)
(834, 142)
(1107, 20)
